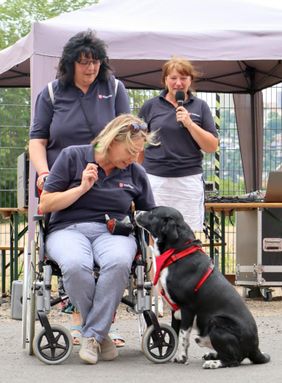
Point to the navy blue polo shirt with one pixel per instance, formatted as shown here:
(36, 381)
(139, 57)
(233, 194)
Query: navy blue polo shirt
(64, 123)
(178, 154)
(112, 194)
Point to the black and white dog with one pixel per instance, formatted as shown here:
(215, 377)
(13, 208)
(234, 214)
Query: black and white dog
(201, 292)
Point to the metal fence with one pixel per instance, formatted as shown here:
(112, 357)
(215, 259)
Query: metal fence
(15, 121)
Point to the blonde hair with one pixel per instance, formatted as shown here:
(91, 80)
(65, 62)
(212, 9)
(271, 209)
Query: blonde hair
(181, 65)
(124, 128)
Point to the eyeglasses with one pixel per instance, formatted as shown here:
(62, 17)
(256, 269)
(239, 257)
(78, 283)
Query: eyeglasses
(87, 62)
(135, 127)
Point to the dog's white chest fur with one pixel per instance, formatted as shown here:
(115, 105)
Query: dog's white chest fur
(162, 280)
(163, 277)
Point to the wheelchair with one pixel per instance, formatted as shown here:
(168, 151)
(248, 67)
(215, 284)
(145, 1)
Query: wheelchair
(53, 344)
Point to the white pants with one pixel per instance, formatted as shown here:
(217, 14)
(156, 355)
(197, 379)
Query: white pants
(76, 249)
(185, 194)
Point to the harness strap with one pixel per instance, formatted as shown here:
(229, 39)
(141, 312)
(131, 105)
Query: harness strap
(204, 278)
(51, 92)
(175, 306)
(170, 256)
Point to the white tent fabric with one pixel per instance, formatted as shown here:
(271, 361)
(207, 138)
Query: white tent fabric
(250, 131)
(235, 45)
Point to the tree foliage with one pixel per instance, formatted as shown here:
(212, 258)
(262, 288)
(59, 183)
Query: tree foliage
(14, 124)
(17, 16)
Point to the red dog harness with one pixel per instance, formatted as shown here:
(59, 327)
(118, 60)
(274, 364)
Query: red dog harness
(170, 256)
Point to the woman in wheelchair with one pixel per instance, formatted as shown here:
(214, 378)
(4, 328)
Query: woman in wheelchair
(86, 183)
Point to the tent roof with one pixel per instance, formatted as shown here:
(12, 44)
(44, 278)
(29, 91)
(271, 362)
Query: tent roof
(235, 45)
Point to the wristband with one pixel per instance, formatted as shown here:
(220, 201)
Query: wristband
(43, 173)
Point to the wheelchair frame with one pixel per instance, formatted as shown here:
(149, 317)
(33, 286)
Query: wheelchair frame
(53, 344)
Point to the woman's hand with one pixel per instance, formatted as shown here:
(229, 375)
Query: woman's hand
(54, 201)
(40, 180)
(183, 116)
(206, 140)
(89, 177)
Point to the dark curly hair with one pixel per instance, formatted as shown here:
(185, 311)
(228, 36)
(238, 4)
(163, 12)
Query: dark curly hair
(83, 43)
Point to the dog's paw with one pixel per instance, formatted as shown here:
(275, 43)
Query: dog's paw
(210, 356)
(180, 358)
(212, 364)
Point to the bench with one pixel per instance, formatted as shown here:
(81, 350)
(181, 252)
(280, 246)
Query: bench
(12, 216)
(5, 266)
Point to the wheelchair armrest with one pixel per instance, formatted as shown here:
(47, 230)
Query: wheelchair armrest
(38, 217)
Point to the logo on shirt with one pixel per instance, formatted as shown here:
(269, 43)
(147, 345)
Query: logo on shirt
(123, 185)
(195, 114)
(101, 96)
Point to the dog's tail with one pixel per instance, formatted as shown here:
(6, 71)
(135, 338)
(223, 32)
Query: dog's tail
(258, 357)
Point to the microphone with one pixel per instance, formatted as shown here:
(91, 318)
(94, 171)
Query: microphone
(180, 97)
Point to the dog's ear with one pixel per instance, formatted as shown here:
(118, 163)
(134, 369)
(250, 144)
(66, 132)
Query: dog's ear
(169, 231)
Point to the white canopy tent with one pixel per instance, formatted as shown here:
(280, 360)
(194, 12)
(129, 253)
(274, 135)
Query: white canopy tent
(235, 45)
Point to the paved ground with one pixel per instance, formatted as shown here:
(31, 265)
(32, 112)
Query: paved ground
(17, 366)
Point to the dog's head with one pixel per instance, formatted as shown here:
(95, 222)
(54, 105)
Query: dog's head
(166, 225)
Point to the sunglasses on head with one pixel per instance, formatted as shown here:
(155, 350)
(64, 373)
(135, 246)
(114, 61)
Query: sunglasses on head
(135, 127)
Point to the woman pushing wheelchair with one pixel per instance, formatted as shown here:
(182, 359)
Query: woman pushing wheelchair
(87, 183)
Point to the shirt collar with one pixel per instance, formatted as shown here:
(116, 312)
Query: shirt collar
(191, 96)
(90, 153)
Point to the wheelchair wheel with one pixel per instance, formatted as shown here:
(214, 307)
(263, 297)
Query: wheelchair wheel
(53, 353)
(28, 309)
(156, 350)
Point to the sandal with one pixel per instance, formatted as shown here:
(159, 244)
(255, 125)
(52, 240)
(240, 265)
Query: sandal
(116, 338)
(76, 333)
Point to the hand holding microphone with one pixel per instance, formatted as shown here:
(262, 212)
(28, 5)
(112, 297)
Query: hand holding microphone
(180, 98)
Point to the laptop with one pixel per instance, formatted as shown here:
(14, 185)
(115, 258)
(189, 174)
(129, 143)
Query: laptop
(274, 187)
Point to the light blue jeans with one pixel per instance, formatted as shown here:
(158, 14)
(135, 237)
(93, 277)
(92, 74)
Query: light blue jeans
(76, 249)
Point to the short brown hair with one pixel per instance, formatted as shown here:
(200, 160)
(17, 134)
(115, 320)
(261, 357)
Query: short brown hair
(182, 65)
